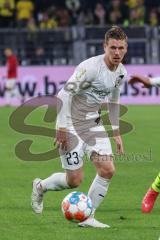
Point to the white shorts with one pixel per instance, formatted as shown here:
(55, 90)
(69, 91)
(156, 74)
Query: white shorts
(88, 142)
(10, 83)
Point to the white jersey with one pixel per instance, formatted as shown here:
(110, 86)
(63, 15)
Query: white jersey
(90, 84)
(155, 81)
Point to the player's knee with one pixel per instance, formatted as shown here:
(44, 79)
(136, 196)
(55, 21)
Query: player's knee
(75, 180)
(73, 183)
(106, 169)
(107, 172)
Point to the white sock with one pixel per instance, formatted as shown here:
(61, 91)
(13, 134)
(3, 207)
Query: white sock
(8, 97)
(55, 182)
(98, 190)
(14, 93)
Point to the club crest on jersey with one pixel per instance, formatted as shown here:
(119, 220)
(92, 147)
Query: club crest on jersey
(118, 81)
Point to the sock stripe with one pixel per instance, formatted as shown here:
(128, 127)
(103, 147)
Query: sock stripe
(101, 195)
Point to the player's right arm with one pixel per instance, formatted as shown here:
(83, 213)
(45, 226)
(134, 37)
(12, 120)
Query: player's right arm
(63, 106)
(146, 81)
(83, 73)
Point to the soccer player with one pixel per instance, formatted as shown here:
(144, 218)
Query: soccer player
(12, 65)
(93, 80)
(153, 192)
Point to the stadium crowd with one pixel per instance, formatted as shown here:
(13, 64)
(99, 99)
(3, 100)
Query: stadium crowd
(50, 14)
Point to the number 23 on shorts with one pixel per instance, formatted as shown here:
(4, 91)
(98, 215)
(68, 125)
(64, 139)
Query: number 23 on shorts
(72, 158)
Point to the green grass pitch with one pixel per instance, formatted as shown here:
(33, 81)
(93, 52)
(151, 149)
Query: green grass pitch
(121, 207)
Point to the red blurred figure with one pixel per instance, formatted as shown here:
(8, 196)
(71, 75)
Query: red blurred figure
(12, 66)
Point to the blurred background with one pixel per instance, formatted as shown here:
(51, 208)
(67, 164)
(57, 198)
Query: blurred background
(51, 32)
(50, 37)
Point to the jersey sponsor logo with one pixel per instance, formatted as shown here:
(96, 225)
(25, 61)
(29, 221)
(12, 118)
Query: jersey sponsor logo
(101, 93)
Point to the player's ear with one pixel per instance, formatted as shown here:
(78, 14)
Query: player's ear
(126, 47)
(104, 45)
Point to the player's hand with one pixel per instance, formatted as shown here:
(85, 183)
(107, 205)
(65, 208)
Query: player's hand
(137, 78)
(119, 145)
(61, 140)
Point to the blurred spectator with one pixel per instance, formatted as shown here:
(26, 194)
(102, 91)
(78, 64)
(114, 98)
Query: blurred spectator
(134, 18)
(25, 10)
(131, 3)
(100, 14)
(153, 18)
(85, 18)
(7, 8)
(48, 22)
(137, 12)
(113, 18)
(31, 24)
(73, 7)
(63, 17)
(39, 57)
(141, 10)
(118, 12)
(32, 31)
(152, 12)
(78, 12)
